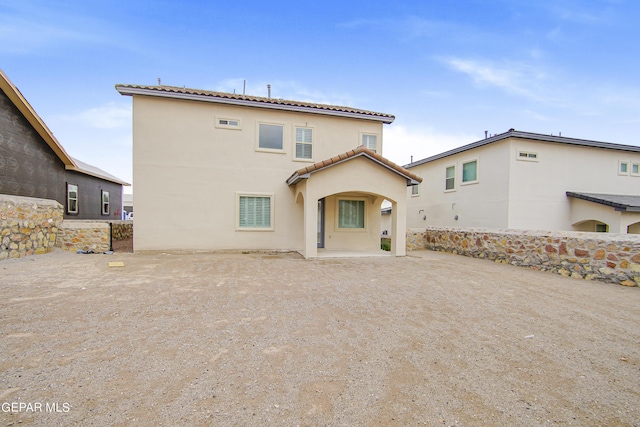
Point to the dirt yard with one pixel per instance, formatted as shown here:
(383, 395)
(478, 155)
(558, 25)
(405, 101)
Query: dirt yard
(275, 340)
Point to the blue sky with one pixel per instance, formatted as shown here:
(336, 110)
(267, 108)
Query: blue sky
(448, 70)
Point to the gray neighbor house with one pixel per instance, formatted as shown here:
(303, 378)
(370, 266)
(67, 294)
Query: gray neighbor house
(34, 164)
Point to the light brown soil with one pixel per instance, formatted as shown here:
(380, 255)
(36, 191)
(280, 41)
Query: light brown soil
(261, 340)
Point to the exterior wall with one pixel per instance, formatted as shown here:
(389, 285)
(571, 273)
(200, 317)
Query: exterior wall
(584, 214)
(416, 239)
(613, 258)
(121, 230)
(386, 224)
(188, 172)
(481, 204)
(518, 194)
(28, 225)
(537, 194)
(76, 235)
(29, 168)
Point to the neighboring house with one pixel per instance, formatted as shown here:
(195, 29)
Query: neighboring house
(522, 180)
(216, 171)
(127, 202)
(34, 164)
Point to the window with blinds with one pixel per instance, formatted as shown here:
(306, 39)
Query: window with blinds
(254, 212)
(351, 214)
(304, 143)
(370, 141)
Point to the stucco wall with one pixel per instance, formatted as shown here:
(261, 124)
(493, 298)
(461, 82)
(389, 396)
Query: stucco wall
(188, 172)
(28, 225)
(611, 258)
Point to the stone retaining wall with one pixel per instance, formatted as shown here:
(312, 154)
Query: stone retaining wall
(84, 235)
(121, 230)
(416, 239)
(28, 225)
(613, 258)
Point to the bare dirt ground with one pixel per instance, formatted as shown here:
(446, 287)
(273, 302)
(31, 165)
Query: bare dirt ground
(275, 340)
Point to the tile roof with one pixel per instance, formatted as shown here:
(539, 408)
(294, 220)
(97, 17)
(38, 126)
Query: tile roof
(618, 202)
(300, 174)
(253, 101)
(512, 133)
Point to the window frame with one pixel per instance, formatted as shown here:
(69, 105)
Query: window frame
(415, 190)
(365, 223)
(474, 181)
(102, 202)
(378, 148)
(295, 143)
(626, 165)
(77, 199)
(527, 157)
(270, 196)
(448, 190)
(270, 150)
(219, 125)
(637, 166)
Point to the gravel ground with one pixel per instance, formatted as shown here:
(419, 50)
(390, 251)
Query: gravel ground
(263, 339)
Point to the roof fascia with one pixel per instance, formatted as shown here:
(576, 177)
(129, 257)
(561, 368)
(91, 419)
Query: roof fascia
(95, 175)
(32, 117)
(247, 103)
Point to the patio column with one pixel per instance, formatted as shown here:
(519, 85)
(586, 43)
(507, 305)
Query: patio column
(310, 226)
(399, 226)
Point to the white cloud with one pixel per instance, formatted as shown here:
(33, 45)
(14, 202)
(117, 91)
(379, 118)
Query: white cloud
(109, 116)
(401, 143)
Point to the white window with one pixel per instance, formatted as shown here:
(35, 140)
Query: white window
(450, 178)
(635, 169)
(304, 143)
(72, 199)
(414, 190)
(470, 172)
(105, 202)
(270, 136)
(623, 168)
(370, 141)
(227, 123)
(255, 212)
(527, 156)
(351, 214)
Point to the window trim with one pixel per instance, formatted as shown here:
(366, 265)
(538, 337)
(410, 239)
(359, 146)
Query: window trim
(466, 162)
(365, 228)
(77, 191)
(528, 157)
(295, 143)
(219, 125)
(378, 149)
(449, 190)
(271, 196)
(270, 150)
(620, 163)
(102, 202)
(637, 164)
(415, 190)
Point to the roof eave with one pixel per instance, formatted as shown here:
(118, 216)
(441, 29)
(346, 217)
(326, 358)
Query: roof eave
(124, 90)
(95, 175)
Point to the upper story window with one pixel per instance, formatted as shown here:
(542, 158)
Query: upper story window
(470, 172)
(105, 202)
(527, 155)
(623, 168)
(270, 136)
(450, 178)
(370, 141)
(635, 169)
(304, 143)
(227, 123)
(72, 199)
(414, 190)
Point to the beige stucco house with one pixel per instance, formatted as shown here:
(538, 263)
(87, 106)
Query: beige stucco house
(522, 180)
(220, 171)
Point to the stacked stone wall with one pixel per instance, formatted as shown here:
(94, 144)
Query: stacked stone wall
(81, 235)
(28, 225)
(121, 230)
(613, 258)
(416, 239)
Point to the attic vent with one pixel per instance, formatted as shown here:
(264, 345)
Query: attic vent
(226, 123)
(528, 156)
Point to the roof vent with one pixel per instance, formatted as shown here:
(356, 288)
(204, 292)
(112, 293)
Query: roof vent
(269, 91)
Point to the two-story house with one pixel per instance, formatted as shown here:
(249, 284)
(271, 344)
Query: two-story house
(33, 163)
(522, 180)
(221, 171)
